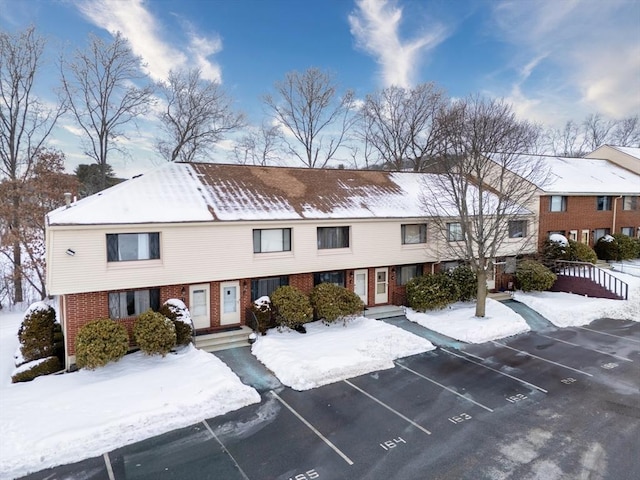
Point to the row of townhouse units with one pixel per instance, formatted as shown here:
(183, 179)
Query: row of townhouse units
(220, 236)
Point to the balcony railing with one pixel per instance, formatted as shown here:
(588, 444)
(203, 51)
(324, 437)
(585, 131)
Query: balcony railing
(587, 270)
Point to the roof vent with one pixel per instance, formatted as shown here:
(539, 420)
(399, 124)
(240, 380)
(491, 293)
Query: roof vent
(67, 199)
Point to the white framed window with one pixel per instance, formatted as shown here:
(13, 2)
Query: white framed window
(517, 228)
(603, 203)
(407, 272)
(454, 232)
(628, 231)
(336, 277)
(133, 302)
(629, 202)
(557, 203)
(261, 287)
(598, 233)
(413, 234)
(272, 240)
(333, 237)
(123, 247)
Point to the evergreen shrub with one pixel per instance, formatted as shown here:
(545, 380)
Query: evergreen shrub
(331, 301)
(154, 333)
(581, 252)
(100, 342)
(431, 292)
(292, 307)
(43, 366)
(534, 276)
(177, 312)
(466, 282)
(36, 333)
(264, 313)
(628, 248)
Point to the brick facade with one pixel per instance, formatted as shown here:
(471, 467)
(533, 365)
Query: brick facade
(581, 214)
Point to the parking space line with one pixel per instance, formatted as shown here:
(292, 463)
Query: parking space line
(587, 348)
(443, 386)
(609, 334)
(388, 407)
(224, 449)
(543, 359)
(495, 370)
(107, 462)
(313, 429)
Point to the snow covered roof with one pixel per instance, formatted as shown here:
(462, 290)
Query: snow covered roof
(587, 176)
(631, 151)
(205, 192)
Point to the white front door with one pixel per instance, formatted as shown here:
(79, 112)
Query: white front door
(382, 285)
(361, 284)
(199, 305)
(229, 303)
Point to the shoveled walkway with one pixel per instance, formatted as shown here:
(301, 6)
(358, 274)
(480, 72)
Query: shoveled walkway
(249, 369)
(536, 322)
(434, 337)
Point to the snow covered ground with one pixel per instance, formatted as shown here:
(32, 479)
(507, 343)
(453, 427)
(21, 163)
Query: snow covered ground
(65, 418)
(329, 353)
(458, 321)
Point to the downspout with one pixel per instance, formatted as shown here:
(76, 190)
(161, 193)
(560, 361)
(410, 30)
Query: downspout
(615, 205)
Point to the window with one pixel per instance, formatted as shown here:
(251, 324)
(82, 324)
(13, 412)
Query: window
(272, 240)
(598, 233)
(414, 233)
(454, 232)
(603, 203)
(557, 203)
(556, 232)
(261, 287)
(122, 247)
(333, 237)
(407, 272)
(629, 203)
(628, 231)
(517, 228)
(133, 303)
(336, 277)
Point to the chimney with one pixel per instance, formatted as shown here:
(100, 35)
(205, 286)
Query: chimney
(67, 199)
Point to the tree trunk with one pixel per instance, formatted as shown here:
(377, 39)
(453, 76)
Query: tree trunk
(18, 295)
(481, 298)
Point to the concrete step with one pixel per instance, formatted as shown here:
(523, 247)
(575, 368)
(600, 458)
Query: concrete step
(213, 342)
(603, 264)
(384, 311)
(500, 296)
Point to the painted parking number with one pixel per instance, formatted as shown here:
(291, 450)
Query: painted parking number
(389, 444)
(609, 366)
(568, 380)
(516, 398)
(460, 418)
(308, 475)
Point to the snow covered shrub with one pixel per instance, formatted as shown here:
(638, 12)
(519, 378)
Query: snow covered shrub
(431, 292)
(331, 301)
(176, 311)
(264, 314)
(36, 368)
(100, 342)
(607, 248)
(154, 333)
(628, 248)
(466, 282)
(581, 252)
(553, 250)
(36, 334)
(534, 276)
(292, 307)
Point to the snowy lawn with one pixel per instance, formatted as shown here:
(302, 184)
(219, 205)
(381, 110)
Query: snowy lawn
(459, 321)
(65, 418)
(567, 309)
(330, 353)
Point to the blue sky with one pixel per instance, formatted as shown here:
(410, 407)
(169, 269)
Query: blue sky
(555, 60)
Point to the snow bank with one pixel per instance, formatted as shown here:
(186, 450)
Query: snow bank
(327, 354)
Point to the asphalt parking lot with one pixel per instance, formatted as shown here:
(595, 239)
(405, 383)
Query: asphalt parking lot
(563, 403)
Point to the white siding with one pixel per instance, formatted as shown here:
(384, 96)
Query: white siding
(195, 253)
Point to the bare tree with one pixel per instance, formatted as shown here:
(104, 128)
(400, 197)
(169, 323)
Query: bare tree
(597, 130)
(626, 133)
(309, 108)
(401, 125)
(100, 86)
(197, 115)
(566, 142)
(260, 146)
(474, 199)
(25, 124)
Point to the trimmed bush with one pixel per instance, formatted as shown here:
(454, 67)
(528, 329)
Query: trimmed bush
(431, 292)
(466, 282)
(534, 276)
(177, 312)
(36, 334)
(331, 301)
(100, 342)
(154, 333)
(292, 307)
(581, 252)
(628, 248)
(607, 248)
(31, 370)
(263, 311)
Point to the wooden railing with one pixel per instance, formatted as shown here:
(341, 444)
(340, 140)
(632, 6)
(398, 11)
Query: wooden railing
(597, 275)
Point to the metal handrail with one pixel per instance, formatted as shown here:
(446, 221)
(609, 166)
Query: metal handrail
(578, 269)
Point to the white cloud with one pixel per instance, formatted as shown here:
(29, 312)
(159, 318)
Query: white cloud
(573, 57)
(375, 24)
(133, 19)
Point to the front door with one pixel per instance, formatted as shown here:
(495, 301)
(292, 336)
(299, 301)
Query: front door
(199, 306)
(229, 303)
(361, 284)
(382, 285)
